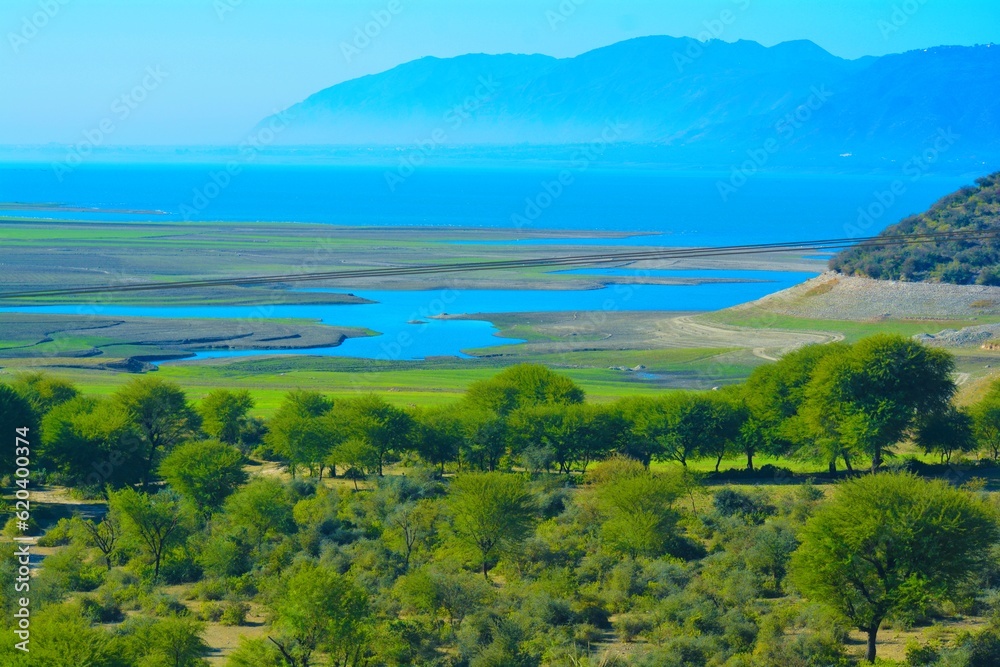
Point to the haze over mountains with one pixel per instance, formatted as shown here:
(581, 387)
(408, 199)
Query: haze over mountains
(698, 99)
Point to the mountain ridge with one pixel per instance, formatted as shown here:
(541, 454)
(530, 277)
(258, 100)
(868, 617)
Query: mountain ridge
(667, 91)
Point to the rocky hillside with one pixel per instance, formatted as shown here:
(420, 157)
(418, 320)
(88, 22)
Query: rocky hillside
(974, 208)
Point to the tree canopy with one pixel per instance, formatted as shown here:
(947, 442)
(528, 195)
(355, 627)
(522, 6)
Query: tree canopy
(890, 541)
(492, 513)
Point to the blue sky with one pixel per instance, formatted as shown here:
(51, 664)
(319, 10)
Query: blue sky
(204, 71)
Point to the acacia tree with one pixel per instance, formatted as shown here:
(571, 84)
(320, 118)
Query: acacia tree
(43, 391)
(522, 386)
(484, 444)
(773, 396)
(408, 524)
(574, 434)
(15, 413)
(438, 436)
(91, 441)
(175, 641)
(322, 610)
(358, 458)
(986, 416)
(225, 414)
(204, 472)
(637, 507)
(722, 426)
(888, 541)
(104, 535)
(492, 514)
(260, 511)
(872, 396)
(947, 433)
(156, 522)
(161, 415)
(386, 428)
(643, 418)
(301, 431)
(686, 424)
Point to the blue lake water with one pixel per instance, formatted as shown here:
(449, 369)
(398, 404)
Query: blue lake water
(682, 207)
(394, 312)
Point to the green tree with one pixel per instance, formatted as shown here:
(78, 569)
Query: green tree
(175, 641)
(595, 431)
(438, 436)
(541, 429)
(15, 413)
(433, 590)
(688, 424)
(887, 542)
(522, 386)
(359, 458)
(409, 524)
(872, 396)
(93, 442)
(774, 395)
(723, 426)
(204, 472)
(487, 435)
(261, 511)
(43, 391)
(62, 637)
(576, 434)
(386, 428)
(636, 505)
(301, 431)
(645, 425)
(161, 415)
(256, 653)
(225, 415)
(492, 514)
(319, 609)
(986, 416)
(947, 433)
(104, 535)
(155, 522)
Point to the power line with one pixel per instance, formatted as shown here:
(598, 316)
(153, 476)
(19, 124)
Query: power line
(568, 260)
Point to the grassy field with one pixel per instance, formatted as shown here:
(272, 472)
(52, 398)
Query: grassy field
(417, 385)
(851, 330)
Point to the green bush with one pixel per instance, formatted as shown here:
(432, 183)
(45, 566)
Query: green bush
(629, 626)
(234, 613)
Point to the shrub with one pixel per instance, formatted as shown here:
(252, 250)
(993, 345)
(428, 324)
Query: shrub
(101, 608)
(234, 613)
(163, 605)
(210, 612)
(630, 626)
(751, 508)
(59, 535)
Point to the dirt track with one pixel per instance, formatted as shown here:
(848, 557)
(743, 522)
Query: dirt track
(689, 331)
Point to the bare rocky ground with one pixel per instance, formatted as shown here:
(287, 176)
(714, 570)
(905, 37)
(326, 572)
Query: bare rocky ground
(832, 296)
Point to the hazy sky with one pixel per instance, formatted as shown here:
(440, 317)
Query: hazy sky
(208, 70)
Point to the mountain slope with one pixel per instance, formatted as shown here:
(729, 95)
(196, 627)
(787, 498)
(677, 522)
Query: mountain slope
(960, 262)
(714, 97)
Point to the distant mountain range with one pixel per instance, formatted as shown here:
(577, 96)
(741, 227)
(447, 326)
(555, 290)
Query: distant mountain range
(713, 98)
